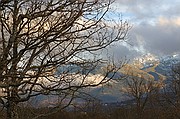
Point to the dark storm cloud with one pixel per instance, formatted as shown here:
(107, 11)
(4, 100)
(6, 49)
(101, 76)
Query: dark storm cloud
(123, 51)
(156, 27)
(158, 39)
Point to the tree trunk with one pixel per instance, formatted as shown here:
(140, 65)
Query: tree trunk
(12, 104)
(12, 110)
(139, 109)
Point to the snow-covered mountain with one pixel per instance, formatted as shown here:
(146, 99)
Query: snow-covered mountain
(148, 65)
(166, 63)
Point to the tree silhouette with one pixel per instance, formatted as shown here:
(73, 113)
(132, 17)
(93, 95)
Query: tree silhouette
(141, 87)
(40, 37)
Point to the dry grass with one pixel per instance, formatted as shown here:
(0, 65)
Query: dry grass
(121, 113)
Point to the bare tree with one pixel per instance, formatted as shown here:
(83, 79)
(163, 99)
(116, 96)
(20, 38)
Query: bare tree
(140, 87)
(38, 38)
(171, 93)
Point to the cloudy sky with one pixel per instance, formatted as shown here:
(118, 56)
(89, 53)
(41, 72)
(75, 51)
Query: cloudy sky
(155, 27)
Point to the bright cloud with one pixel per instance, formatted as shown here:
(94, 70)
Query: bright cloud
(171, 21)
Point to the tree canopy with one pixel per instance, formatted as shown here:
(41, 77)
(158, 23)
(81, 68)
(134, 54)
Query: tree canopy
(38, 37)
